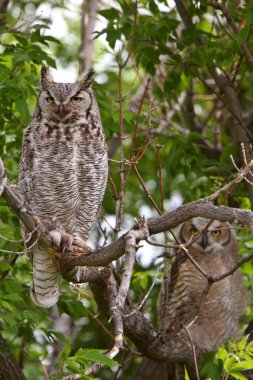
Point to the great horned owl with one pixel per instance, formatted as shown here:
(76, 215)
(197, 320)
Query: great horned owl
(211, 318)
(63, 172)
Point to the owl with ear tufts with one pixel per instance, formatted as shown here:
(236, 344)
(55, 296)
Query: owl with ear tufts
(63, 173)
(211, 315)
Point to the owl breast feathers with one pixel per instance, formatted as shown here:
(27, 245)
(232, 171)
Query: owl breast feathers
(63, 171)
(210, 314)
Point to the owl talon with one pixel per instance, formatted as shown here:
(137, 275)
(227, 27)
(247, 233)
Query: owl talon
(82, 246)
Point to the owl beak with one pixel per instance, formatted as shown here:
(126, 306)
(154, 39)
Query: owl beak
(204, 240)
(61, 110)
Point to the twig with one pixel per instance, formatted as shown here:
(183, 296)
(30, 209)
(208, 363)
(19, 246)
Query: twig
(162, 245)
(95, 317)
(114, 192)
(146, 296)
(123, 65)
(138, 118)
(13, 252)
(242, 173)
(27, 250)
(11, 241)
(193, 351)
(146, 190)
(146, 142)
(103, 230)
(102, 257)
(235, 267)
(158, 147)
(12, 262)
(119, 209)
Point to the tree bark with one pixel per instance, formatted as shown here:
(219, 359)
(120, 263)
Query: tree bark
(89, 9)
(3, 10)
(9, 368)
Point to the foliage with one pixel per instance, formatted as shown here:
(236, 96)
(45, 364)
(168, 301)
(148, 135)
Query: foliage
(183, 117)
(230, 362)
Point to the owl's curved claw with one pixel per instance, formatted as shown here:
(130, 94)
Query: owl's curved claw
(68, 243)
(82, 245)
(61, 240)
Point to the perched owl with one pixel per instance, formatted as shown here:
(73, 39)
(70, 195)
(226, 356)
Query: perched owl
(211, 318)
(63, 172)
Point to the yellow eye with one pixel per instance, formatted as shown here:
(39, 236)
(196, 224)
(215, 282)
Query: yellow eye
(76, 99)
(194, 231)
(216, 233)
(50, 99)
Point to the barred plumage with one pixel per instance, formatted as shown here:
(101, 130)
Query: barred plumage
(211, 318)
(63, 170)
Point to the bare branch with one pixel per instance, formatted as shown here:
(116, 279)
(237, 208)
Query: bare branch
(146, 296)
(132, 237)
(186, 329)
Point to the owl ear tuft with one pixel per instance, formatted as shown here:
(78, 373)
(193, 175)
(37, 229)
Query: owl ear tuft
(87, 80)
(46, 77)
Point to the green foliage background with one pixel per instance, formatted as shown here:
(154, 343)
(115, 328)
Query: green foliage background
(187, 168)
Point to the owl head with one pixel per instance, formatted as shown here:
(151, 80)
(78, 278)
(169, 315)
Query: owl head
(207, 235)
(61, 100)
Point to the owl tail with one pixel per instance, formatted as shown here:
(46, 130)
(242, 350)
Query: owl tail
(44, 289)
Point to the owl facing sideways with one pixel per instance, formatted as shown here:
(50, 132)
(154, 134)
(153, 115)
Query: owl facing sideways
(63, 173)
(211, 318)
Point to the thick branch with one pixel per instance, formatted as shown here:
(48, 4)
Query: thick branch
(113, 251)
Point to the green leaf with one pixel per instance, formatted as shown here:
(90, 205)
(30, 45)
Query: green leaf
(243, 343)
(249, 17)
(73, 365)
(95, 355)
(153, 7)
(110, 13)
(26, 332)
(228, 363)
(210, 367)
(238, 375)
(6, 305)
(242, 366)
(71, 307)
(4, 266)
(222, 354)
(186, 376)
(65, 351)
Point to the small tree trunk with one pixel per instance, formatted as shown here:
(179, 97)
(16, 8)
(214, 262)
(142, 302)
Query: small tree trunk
(88, 26)
(9, 368)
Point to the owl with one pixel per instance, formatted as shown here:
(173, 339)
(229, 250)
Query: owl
(211, 317)
(63, 173)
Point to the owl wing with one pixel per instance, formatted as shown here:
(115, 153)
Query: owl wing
(26, 176)
(44, 288)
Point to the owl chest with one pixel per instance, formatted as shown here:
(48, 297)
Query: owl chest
(66, 175)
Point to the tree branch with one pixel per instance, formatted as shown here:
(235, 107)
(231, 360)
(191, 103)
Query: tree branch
(104, 256)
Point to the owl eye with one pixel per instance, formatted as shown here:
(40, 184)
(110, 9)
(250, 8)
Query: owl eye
(194, 231)
(76, 99)
(50, 99)
(216, 233)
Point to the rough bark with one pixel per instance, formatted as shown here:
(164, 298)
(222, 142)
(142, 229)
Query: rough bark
(9, 368)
